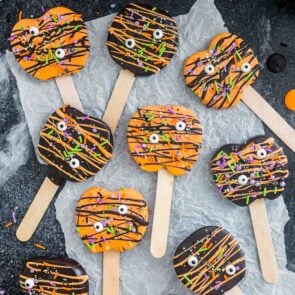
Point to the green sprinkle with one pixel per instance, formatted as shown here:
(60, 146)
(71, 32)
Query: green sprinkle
(122, 188)
(202, 250)
(59, 30)
(247, 200)
(216, 86)
(218, 177)
(239, 56)
(220, 153)
(218, 269)
(248, 76)
(54, 18)
(50, 132)
(65, 154)
(46, 59)
(147, 25)
(150, 116)
(154, 8)
(80, 138)
(110, 207)
(275, 190)
(77, 27)
(39, 58)
(21, 28)
(214, 46)
(56, 59)
(231, 167)
(145, 139)
(165, 137)
(227, 96)
(140, 52)
(104, 142)
(51, 54)
(149, 44)
(147, 58)
(232, 158)
(111, 230)
(89, 246)
(146, 69)
(221, 253)
(265, 192)
(151, 148)
(77, 229)
(97, 154)
(165, 123)
(187, 279)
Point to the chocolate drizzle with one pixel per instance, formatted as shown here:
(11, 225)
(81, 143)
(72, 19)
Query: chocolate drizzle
(53, 277)
(234, 67)
(254, 170)
(111, 220)
(139, 24)
(176, 150)
(214, 250)
(58, 29)
(76, 145)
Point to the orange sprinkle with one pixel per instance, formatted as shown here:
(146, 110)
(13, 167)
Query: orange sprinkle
(39, 246)
(20, 15)
(290, 100)
(9, 224)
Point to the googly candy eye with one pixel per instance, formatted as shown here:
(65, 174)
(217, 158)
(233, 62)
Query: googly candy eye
(261, 153)
(230, 269)
(29, 283)
(61, 126)
(60, 53)
(209, 69)
(243, 179)
(130, 43)
(34, 31)
(246, 67)
(158, 34)
(154, 138)
(180, 126)
(122, 209)
(98, 226)
(74, 163)
(192, 261)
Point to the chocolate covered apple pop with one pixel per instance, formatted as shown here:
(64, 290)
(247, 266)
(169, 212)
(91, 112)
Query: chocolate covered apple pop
(76, 146)
(52, 46)
(222, 74)
(248, 174)
(111, 222)
(142, 40)
(167, 140)
(210, 262)
(53, 277)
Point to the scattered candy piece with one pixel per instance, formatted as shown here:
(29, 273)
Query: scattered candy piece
(290, 100)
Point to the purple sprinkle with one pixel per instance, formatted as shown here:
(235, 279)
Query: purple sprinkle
(227, 175)
(13, 217)
(206, 276)
(42, 8)
(93, 148)
(137, 23)
(52, 283)
(94, 130)
(237, 268)
(113, 5)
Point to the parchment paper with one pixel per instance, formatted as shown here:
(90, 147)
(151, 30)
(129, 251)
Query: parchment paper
(196, 201)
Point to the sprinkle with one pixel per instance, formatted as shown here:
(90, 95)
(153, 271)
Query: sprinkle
(40, 246)
(227, 96)
(216, 86)
(165, 137)
(247, 200)
(77, 229)
(54, 18)
(154, 8)
(97, 154)
(221, 253)
(77, 27)
(265, 192)
(151, 148)
(202, 250)
(187, 279)
(275, 190)
(56, 59)
(248, 76)
(238, 55)
(9, 224)
(42, 8)
(13, 217)
(104, 142)
(218, 177)
(52, 283)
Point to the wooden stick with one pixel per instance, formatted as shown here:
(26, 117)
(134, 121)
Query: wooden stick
(111, 272)
(118, 99)
(36, 210)
(269, 116)
(69, 92)
(265, 248)
(234, 291)
(162, 213)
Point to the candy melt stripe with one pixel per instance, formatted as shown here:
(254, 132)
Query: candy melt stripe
(75, 144)
(254, 170)
(219, 74)
(165, 137)
(53, 277)
(142, 39)
(53, 45)
(111, 220)
(210, 261)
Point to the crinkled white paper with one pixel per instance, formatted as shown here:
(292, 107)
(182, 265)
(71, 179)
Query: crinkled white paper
(196, 201)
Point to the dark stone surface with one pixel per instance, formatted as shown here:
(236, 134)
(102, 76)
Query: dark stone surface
(265, 24)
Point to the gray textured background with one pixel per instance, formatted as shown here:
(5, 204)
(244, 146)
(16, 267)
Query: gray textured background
(264, 24)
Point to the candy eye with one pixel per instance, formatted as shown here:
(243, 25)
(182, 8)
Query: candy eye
(61, 126)
(209, 69)
(243, 179)
(230, 269)
(246, 67)
(60, 53)
(261, 153)
(34, 31)
(29, 283)
(130, 43)
(180, 126)
(158, 34)
(74, 163)
(98, 227)
(122, 209)
(154, 138)
(192, 261)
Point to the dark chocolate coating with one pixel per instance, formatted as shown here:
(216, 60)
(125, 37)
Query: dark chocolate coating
(254, 170)
(214, 250)
(139, 24)
(76, 145)
(53, 276)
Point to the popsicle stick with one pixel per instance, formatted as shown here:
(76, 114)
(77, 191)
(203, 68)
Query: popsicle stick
(118, 99)
(265, 248)
(269, 116)
(69, 92)
(162, 213)
(234, 291)
(111, 272)
(36, 210)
